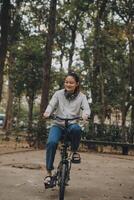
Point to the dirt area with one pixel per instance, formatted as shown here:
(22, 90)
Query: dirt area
(98, 177)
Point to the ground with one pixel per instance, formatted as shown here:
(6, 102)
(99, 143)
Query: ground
(98, 177)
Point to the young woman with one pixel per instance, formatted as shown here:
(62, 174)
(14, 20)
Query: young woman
(69, 102)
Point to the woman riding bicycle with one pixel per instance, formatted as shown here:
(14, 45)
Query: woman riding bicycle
(67, 103)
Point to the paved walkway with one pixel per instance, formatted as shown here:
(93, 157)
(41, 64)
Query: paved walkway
(98, 177)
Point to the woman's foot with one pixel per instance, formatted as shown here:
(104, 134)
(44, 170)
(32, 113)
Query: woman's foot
(49, 180)
(76, 158)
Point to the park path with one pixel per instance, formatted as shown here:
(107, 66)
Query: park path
(98, 177)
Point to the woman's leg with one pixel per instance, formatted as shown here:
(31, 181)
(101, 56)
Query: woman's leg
(75, 136)
(53, 139)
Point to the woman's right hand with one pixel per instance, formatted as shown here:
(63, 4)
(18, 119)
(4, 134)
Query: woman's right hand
(46, 114)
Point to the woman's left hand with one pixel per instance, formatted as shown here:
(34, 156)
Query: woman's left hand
(85, 118)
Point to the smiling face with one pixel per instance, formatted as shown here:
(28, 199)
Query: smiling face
(70, 84)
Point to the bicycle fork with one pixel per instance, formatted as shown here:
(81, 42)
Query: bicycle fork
(67, 164)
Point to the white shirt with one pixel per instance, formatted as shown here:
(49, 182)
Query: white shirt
(68, 109)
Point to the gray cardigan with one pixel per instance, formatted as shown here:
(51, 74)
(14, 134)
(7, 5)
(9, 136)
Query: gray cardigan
(68, 109)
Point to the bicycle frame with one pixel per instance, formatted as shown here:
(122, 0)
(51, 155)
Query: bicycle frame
(65, 159)
(63, 171)
(64, 167)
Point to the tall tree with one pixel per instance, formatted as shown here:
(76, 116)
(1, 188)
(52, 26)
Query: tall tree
(71, 15)
(13, 37)
(48, 55)
(5, 18)
(97, 64)
(9, 109)
(125, 11)
(27, 72)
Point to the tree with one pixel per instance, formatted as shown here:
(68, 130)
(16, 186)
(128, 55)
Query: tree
(125, 11)
(71, 15)
(97, 61)
(5, 19)
(27, 72)
(13, 37)
(48, 55)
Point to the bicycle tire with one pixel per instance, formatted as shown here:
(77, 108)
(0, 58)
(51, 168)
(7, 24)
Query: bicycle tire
(62, 184)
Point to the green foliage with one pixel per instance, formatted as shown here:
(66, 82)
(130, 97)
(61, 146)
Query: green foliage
(27, 71)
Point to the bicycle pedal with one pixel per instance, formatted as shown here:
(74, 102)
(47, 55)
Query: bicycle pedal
(76, 161)
(51, 184)
(47, 186)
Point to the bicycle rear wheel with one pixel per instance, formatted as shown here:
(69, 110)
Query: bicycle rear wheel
(62, 183)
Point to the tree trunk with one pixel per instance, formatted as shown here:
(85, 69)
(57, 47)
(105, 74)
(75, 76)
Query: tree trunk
(131, 66)
(96, 56)
(18, 103)
(71, 52)
(73, 38)
(130, 28)
(5, 23)
(124, 113)
(48, 56)
(9, 114)
(102, 114)
(30, 101)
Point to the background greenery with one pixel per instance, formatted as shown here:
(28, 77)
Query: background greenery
(41, 40)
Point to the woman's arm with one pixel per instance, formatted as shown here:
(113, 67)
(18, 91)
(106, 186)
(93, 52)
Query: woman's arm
(86, 111)
(51, 106)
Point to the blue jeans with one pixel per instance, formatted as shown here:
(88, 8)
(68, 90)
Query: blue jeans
(54, 137)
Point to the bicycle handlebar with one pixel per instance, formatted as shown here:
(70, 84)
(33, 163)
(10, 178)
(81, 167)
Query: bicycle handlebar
(64, 119)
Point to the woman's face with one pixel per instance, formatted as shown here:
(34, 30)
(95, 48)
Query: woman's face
(70, 84)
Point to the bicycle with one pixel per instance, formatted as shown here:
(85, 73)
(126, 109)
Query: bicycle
(62, 175)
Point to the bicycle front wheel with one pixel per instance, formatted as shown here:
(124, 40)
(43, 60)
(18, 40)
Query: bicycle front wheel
(62, 183)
